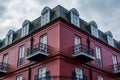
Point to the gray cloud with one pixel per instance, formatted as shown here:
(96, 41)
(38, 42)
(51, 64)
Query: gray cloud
(104, 12)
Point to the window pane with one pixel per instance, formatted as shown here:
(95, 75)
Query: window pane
(79, 74)
(42, 72)
(5, 58)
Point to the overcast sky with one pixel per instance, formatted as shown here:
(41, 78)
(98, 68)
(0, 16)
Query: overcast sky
(106, 13)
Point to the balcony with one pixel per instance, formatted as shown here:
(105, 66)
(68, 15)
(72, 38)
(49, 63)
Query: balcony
(3, 68)
(57, 78)
(116, 69)
(39, 51)
(82, 52)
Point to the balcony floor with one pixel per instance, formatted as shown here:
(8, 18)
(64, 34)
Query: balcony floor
(37, 56)
(84, 56)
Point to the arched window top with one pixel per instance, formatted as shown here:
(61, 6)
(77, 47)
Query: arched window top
(26, 22)
(74, 17)
(94, 24)
(10, 32)
(9, 37)
(109, 33)
(45, 10)
(74, 11)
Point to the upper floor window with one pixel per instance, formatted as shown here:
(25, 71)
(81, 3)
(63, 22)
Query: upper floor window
(110, 38)
(79, 73)
(100, 78)
(98, 56)
(21, 55)
(19, 77)
(114, 60)
(5, 59)
(9, 37)
(94, 29)
(45, 16)
(43, 43)
(74, 17)
(77, 40)
(25, 28)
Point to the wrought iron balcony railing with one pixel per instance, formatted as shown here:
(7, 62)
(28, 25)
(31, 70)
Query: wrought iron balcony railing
(20, 61)
(99, 62)
(116, 69)
(3, 67)
(83, 51)
(38, 50)
(58, 78)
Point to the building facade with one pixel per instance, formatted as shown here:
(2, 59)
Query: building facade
(59, 45)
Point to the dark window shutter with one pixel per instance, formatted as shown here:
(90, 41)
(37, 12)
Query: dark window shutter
(73, 76)
(84, 77)
(48, 75)
(35, 77)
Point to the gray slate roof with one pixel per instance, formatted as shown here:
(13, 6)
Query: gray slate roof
(59, 12)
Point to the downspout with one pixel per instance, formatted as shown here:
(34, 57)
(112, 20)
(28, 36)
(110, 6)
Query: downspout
(89, 40)
(31, 47)
(29, 73)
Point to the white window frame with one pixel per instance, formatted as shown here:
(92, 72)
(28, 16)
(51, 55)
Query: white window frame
(75, 19)
(45, 17)
(21, 51)
(25, 30)
(98, 52)
(110, 40)
(5, 58)
(79, 73)
(19, 77)
(42, 72)
(98, 56)
(43, 43)
(114, 60)
(100, 78)
(77, 44)
(94, 31)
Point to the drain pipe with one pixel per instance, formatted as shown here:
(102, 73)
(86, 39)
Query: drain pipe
(29, 73)
(31, 47)
(89, 40)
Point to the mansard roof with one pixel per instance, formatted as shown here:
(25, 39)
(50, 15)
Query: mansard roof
(61, 12)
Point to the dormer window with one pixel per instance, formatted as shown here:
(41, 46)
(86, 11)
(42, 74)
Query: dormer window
(45, 16)
(110, 38)
(9, 37)
(94, 29)
(74, 15)
(25, 28)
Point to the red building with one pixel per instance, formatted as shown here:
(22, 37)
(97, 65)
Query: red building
(59, 45)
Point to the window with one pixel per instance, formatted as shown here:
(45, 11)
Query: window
(42, 72)
(76, 40)
(5, 58)
(77, 44)
(43, 43)
(74, 17)
(21, 55)
(9, 37)
(19, 77)
(94, 31)
(98, 56)
(110, 40)
(79, 74)
(45, 16)
(100, 78)
(25, 28)
(114, 59)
